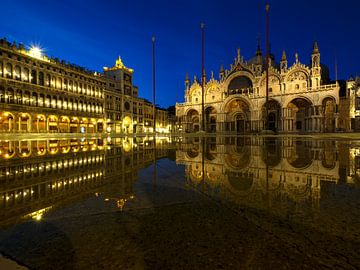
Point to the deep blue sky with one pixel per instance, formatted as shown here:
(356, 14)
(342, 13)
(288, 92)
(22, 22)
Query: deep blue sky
(93, 33)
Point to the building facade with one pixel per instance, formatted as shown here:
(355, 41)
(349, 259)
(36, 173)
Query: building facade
(40, 94)
(45, 95)
(301, 98)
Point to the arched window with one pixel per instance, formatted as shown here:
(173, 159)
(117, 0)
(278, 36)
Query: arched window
(8, 71)
(17, 72)
(48, 101)
(25, 75)
(34, 99)
(41, 78)
(59, 83)
(33, 77)
(27, 98)
(41, 100)
(65, 84)
(10, 94)
(1, 69)
(2, 94)
(48, 80)
(19, 99)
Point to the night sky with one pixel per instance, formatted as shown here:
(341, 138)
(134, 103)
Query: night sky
(93, 33)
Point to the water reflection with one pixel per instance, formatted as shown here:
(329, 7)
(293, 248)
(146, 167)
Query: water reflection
(281, 175)
(38, 176)
(312, 182)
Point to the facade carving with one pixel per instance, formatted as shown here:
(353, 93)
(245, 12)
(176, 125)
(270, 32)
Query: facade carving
(301, 98)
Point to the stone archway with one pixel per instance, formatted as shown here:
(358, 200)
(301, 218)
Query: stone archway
(210, 119)
(192, 121)
(237, 119)
(328, 112)
(300, 111)
(7, 122)
(273, 117)
(240, 85)
(24, 122)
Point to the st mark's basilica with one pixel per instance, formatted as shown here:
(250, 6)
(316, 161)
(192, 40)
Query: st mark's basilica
(302, 98)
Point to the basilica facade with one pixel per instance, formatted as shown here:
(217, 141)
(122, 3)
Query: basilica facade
(301, 98)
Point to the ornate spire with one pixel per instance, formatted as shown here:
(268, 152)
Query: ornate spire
(296, 58)
(222, 68)
(315, 48)
(238, 55)
(212, 75)
(258, 50)
(283, 62)
(187, 76)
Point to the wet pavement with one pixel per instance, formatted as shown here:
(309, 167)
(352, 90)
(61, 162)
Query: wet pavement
(181, 203)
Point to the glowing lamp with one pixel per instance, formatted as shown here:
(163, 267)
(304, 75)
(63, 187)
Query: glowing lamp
(35, 52)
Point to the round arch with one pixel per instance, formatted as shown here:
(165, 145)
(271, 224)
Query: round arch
(192, 120)
(237, 115)
(300, 110)
(210, 119)
(328, 111)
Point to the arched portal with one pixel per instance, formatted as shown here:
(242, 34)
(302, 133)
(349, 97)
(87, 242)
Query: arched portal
(300, 114)
(39, 123)
(237, 116)
(240, 85)
(74, 125)
(52, 123)
(64, 124)
(193, 121)
(7, 122)
(329, 110)
(272, 117)
(210, 119)
(24, 121)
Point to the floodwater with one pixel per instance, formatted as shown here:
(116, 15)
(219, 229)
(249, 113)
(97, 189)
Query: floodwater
(181, 203)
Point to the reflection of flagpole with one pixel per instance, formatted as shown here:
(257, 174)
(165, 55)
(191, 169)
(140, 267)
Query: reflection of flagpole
(153, 69)
(155, 175)
(267, 66)
(154, 108)
(202, 73)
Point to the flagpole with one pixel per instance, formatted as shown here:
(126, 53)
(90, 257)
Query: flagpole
(154, 89)
(202, 73)
(267, 7)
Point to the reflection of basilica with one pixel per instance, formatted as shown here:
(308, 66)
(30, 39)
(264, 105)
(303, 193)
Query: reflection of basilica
(301, 98)
(37, 176)
(246, 168)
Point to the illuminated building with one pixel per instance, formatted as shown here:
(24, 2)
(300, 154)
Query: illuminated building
(125, 111)
(41, 94)
(301, 98)
(350, 106)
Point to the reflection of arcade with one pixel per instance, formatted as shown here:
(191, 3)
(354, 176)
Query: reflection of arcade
(35, 174)
(248, 168)
(39, 176)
